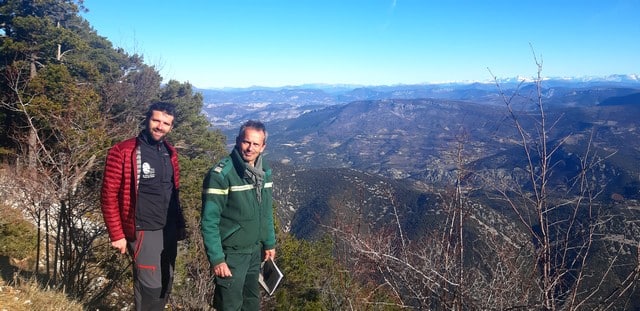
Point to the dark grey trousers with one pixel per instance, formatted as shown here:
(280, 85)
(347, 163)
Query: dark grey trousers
(154, 257)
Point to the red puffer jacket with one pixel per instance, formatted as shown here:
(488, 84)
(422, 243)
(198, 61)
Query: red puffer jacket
(120, 188)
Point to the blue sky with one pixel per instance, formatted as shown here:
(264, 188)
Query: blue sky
(242, 43)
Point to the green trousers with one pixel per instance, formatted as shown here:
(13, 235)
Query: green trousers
(241, 291)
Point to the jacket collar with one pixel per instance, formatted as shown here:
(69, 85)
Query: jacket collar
(145, 138)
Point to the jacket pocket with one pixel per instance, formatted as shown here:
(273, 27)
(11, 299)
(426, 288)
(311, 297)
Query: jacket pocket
(228, 233)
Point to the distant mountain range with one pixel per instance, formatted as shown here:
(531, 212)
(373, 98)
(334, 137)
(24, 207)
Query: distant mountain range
(227, 108)
(617, 79)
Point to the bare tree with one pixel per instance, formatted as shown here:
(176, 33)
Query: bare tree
(63, 135)
(563, 220)
(432, 270)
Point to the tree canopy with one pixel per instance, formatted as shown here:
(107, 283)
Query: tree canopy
(66, 96)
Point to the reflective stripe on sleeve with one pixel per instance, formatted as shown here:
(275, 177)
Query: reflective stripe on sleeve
(216, 191)
(234, 189)
(241, 188)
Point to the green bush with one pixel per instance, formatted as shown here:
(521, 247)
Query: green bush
(17, 236)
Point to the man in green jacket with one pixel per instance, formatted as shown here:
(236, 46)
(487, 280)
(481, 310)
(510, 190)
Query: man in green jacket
(237, 220)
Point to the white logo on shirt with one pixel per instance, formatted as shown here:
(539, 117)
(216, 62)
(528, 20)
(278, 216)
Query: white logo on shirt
(148, 171)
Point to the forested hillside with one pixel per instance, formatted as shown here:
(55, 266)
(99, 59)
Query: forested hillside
(67, 95)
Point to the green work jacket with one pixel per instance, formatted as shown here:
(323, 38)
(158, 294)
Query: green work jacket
(233, 220)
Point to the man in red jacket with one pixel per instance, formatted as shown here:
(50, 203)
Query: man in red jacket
(141, 206)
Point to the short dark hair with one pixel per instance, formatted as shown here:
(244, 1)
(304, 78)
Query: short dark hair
(166, 107)
(255, 125)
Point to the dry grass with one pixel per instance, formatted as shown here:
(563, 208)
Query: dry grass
(28, 296)
(23, 293)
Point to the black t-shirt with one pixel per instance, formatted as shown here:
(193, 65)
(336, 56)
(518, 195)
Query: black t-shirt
(155, 188)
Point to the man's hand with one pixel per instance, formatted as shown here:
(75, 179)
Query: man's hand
(121, 245)
(270, 254)
(222, 270)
